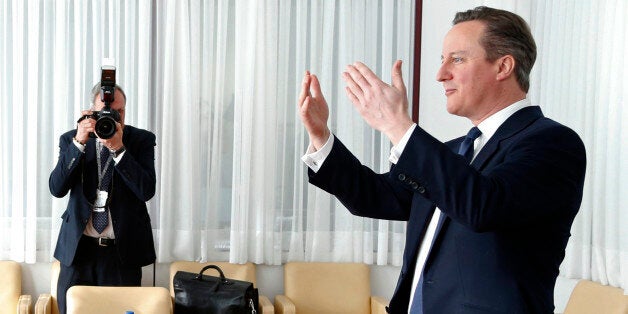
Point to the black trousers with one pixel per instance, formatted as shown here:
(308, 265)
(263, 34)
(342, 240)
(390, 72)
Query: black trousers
(95, 265)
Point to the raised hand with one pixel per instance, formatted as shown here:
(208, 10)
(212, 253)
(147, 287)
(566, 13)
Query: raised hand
(313, 110)
(384, 107)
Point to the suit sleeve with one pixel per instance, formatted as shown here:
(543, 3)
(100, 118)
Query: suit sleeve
(535, 176)
(137, 166)
(65, 172)
(364, 192)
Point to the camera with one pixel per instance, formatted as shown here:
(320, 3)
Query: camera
(105, 122)
(106, 118)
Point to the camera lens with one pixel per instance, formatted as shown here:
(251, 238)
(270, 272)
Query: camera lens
(105, 127)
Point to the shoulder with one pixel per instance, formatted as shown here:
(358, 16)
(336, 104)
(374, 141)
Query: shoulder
(552, 129)
(68, 136)
(133, 132)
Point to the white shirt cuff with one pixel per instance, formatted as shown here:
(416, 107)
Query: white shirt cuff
(397, 150)
(117, 159)
(313, 158)
(78, 145)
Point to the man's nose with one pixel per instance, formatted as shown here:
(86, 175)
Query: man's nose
(443, 73)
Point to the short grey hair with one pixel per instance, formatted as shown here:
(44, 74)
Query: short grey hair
(96, 91)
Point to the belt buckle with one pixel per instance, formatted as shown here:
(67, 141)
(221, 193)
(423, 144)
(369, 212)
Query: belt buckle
(101, 242)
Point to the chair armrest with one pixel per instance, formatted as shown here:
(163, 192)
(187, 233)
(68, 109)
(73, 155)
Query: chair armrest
(378, 305)
(283, 305)
(265, 307)
(24, 304)
(44, 304)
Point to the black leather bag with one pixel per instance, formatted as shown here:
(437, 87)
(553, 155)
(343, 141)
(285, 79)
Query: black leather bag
(198, 293)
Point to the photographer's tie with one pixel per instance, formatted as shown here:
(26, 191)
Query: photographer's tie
(466, 150)
(100, 219)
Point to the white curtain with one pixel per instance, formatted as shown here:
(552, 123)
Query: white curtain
(217, 82)
(50, 56)
(276, 214)
(581, 79)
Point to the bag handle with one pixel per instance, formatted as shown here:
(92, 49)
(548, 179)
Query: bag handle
(199, 277)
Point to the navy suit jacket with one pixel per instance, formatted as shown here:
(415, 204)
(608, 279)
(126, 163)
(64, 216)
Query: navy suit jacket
(508, 214)
(133, 184)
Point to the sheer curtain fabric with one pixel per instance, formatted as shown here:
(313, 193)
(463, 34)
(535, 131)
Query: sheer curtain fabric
(217, 81)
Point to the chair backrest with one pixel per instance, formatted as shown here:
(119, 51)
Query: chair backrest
(245, 272)
(328, 287)
(10, 286)
(592, 297)
(54, 278)
(117, 300)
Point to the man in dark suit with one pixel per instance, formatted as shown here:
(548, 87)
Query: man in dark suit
(106, 234)
(488, 216)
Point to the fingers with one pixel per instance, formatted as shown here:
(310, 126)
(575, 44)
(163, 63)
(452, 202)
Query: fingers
(114, 142)
(356, 81)
(352, 97)
(315, 88)
(310, 91)
(305, 88)
(397, 78)
(84, 126)
(362, 83)
(354, 91)
(364, 72)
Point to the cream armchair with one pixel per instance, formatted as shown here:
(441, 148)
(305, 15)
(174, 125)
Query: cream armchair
(47, 302)
(244, 272)
(592, 297)
(328, 288)
(116, 300)
(11, 300)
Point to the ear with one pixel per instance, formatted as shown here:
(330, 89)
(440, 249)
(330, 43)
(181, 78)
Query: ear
(506, 67)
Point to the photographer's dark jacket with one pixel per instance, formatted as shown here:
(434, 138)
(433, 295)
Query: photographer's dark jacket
(133, 184)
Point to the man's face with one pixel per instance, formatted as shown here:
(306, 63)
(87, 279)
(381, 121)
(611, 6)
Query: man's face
(468, 78)
(118, 105)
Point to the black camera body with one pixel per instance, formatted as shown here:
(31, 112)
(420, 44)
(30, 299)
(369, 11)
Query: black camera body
(106, 118)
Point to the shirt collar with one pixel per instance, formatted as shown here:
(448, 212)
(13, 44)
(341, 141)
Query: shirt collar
(490, 125)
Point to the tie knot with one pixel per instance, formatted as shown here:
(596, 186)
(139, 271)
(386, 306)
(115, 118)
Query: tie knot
(466, 147)
(474, 133)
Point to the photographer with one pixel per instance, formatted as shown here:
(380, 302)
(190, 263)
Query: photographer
(106, 234)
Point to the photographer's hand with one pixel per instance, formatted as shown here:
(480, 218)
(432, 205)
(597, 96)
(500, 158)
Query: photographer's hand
(84, 127)
(115, 142)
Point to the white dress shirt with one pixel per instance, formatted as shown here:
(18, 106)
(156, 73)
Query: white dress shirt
(89, 229)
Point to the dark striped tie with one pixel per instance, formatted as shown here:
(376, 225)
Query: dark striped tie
(100, 219)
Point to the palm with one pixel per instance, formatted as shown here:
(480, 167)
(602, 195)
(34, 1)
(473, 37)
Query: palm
(313, 110)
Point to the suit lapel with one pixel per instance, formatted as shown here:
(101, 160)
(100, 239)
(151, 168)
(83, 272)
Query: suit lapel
(90, 173)
(513, 125)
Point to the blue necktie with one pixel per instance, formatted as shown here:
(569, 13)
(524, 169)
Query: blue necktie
(466, 150)
(466, 147)
(100, 219)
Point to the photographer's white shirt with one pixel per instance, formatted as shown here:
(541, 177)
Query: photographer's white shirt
(89, 229)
